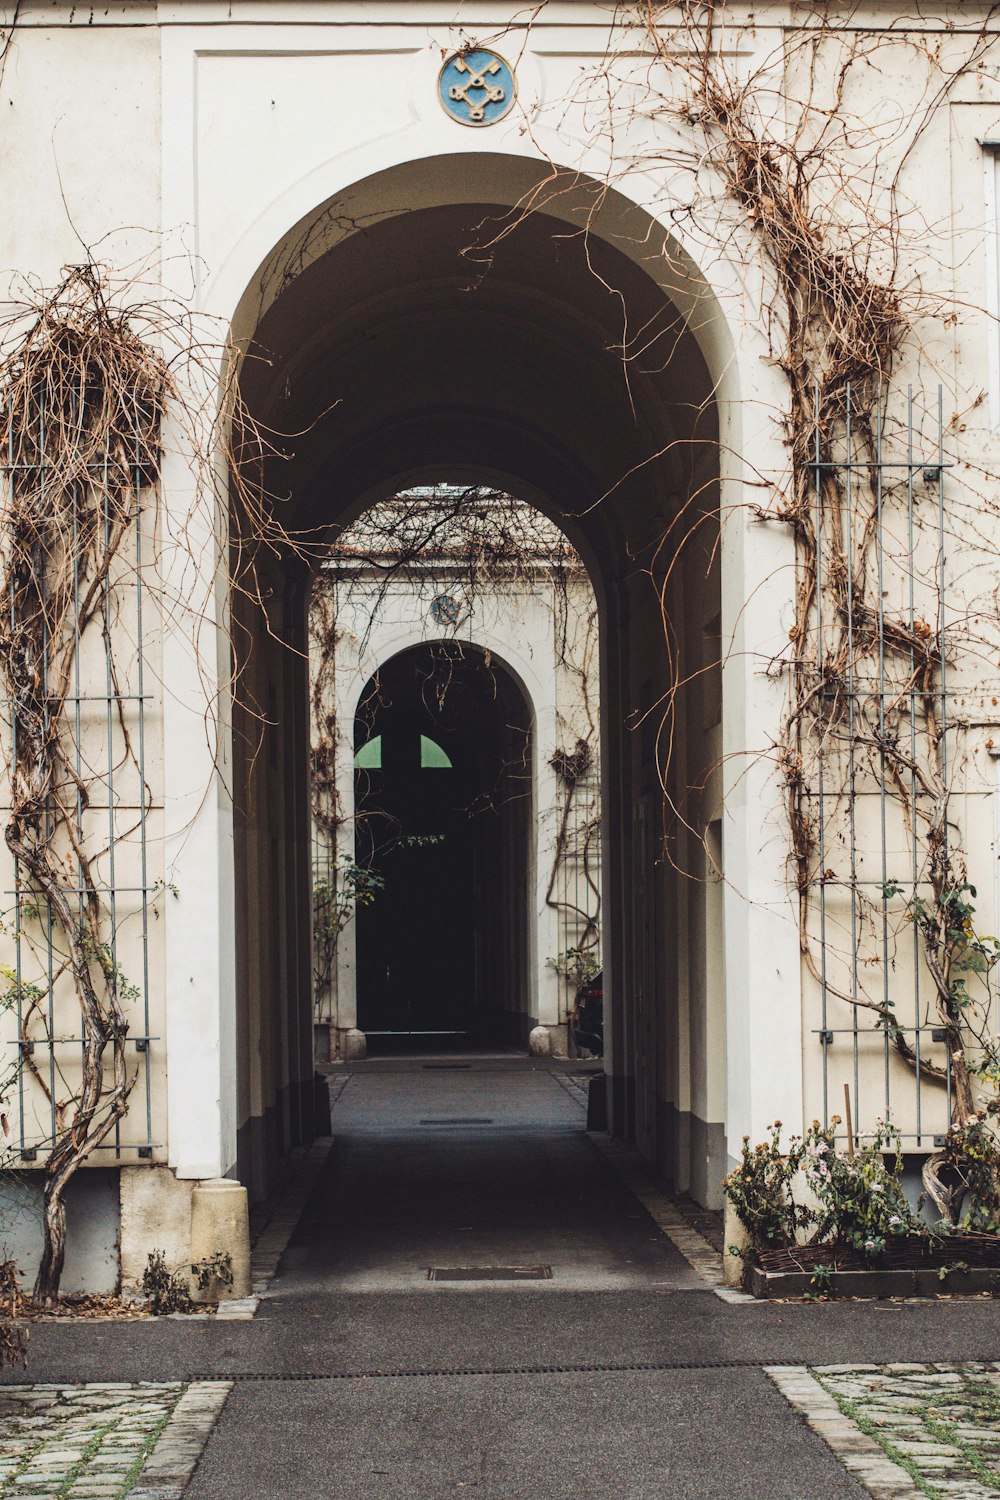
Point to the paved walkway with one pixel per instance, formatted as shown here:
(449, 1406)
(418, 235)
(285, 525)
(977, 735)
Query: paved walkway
(620, 1376)
(443, 1167)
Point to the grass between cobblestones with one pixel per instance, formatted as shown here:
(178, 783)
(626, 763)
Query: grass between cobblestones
(857, 1416)
(939, 1423)
(86, 1442)
(148, 1446)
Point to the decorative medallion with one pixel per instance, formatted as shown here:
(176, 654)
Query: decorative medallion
(477, 88)
(444, 610)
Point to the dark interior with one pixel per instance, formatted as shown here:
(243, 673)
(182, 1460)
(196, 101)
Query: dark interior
(443, 820)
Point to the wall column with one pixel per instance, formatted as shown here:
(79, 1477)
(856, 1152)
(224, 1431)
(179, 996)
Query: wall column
(199, 921)
(763, 983)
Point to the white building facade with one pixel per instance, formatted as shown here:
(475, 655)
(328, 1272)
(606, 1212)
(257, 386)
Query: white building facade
(568, 293)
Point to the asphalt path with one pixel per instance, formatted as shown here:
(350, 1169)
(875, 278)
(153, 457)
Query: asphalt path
(620, 1377)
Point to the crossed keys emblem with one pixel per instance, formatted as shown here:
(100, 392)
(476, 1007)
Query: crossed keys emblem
(479, 81)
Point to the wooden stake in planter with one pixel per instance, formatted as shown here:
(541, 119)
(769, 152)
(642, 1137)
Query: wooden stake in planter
(847, 1120)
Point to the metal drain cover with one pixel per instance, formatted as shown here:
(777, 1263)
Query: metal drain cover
(459, 1120)
(441, 1066)
(489, 1273)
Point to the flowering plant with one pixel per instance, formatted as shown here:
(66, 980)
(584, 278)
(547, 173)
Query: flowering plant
(861, 1201)
(969, 1186)
(760, 1190)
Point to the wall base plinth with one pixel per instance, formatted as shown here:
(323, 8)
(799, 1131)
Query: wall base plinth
(155, 1216)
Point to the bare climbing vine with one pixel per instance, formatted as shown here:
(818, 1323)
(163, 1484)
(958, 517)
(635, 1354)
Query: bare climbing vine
(780, 160)
(86, 378)
(82, 403)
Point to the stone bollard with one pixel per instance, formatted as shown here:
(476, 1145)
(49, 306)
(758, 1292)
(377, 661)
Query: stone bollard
(733, 1233)
(220, 1226)
(353, 1045)
(539, 1042)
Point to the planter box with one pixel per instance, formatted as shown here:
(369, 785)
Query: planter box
(922, 1282)
(913, 1266)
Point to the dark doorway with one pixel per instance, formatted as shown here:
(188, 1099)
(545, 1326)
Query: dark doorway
(443, 801)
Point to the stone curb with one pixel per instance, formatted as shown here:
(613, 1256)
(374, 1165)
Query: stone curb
(237, 1309)
(699, 1254)
(168, 1469)
(860, 1454)
(273, 1240)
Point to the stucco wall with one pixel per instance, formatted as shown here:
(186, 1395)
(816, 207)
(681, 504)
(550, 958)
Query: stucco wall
(220, 150)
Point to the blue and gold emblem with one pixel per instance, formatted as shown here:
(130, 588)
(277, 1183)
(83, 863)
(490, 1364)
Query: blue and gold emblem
(445, 610)
(476, 88)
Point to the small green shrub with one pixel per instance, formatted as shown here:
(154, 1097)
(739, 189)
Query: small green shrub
(217, 1267)
(971, 1162)
(861, 1201)
(167, 1290)
(760, 1190)
(821, 1281)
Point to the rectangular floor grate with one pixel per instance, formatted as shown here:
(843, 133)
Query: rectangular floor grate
(489, 1273)
(459, 1120)
(446, 1066)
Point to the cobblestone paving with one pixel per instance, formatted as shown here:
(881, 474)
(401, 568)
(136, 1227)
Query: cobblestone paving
(940, 1422)
(84, 1442)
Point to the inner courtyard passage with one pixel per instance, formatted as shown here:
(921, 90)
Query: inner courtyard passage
(471, 1171)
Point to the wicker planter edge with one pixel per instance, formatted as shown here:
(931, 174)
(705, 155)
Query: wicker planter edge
(924, 1281)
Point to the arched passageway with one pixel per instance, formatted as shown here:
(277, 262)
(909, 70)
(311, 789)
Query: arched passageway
(442, 811)
(397, 352)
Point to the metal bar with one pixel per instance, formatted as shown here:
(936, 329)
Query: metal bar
(942, 620)
(112, 979)
(143, 863)
(49, 964)
(821, 746)
(852, 754)
(60, 1041)
(17, 863)
(878, 467)
(880, 570)
(82, 893)
(99, 890)
(849, 1031)
(915, 863)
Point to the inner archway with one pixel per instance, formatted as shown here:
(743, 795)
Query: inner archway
(397, 355)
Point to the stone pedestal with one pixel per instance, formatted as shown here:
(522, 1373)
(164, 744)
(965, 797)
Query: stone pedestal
(353, 1045)
(220, 1226)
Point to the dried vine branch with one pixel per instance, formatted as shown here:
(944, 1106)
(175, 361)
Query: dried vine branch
(816, 191)
(81, 401)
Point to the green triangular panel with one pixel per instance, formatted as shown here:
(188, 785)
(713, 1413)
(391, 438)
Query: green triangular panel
(369, 757)
(432, 755)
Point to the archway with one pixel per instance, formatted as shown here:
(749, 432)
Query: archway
(396, 355)
(443, 819)
(490, 610)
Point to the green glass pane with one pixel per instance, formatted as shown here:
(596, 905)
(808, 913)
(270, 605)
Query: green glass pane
(432, 755)
(369, 757)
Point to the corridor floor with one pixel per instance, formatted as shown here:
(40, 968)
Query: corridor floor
(442, 1165)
